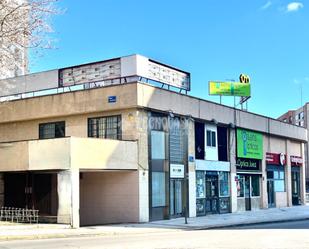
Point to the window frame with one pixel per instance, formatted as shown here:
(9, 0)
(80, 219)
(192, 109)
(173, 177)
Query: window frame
(211, 137)
(41, 125)
(90, 127)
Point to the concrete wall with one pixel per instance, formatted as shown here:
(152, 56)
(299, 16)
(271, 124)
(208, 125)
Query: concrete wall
(93, 153)
(66, 153)
(75, 125)
(109, 197)
(162, 99)
(68, 198)
(29, 83)
(72, 103)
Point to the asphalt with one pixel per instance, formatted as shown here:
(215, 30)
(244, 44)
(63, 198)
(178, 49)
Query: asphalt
(287, 235)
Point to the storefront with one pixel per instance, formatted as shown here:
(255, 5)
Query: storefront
(249, 172)
(275, 167)
(248, 183)
(212, 187)
(296, 164)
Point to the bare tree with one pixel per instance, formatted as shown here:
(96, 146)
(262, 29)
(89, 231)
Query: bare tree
(24, 24)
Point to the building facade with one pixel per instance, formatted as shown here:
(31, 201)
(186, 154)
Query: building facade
(300, 117)
(111, 142)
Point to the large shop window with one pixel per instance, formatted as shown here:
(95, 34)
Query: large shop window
(105, 127)
(255, 186)
(278, 175)
(158, 189)
(52, 130)
(200, 184)
(158, 145)
(224, 184)
(241, 186)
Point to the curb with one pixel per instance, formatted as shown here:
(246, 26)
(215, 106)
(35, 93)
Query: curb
(94, 234)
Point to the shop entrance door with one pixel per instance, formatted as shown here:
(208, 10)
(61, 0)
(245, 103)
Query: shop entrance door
(271, 193)
(295, 187)
(176, 197)
(212, 194)
(248, 193)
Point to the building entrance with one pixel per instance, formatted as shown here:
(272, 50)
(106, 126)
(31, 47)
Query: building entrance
(247, 192)
(212, 193)
(176, 197)
(296, 186)
(271, 193)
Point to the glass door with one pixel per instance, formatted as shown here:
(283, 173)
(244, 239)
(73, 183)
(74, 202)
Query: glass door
(176, 197)
(212, 193)
(295, 188)
(270, 193)
(248, 192)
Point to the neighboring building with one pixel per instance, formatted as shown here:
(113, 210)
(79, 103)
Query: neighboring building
(110, 142)
(300, 117)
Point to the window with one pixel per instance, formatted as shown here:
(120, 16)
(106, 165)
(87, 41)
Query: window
(200, 184)
(158, 189)
(277, 174)
(211, 138)
(52, 130)
(241, 186)
(105, 127)
(224, 184)
(255, 185)
(158, 145)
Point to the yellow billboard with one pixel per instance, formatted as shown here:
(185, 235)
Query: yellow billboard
(229, 88)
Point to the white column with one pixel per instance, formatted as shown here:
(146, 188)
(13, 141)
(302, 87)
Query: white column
(303, 176)
(191, 170)
(288, 174)
(68, 198)
(143, 196)
(232, 157)
(264, 194)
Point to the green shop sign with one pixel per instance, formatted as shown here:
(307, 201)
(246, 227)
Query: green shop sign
(249, 144)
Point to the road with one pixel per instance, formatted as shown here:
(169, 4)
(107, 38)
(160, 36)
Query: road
(292, 235)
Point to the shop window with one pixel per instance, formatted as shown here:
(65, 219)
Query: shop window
(279, 181)
(158, 145)
(241, 186)
(200, 184)
(255, 185)
(158, 189)
(52, 130)
(105, 127)
(211, 138)
(224, 184)
(278, 175)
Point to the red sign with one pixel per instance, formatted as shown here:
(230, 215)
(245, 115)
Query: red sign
(275, 158)
(296, 161)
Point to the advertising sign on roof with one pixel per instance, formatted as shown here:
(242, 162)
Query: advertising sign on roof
(229, 88)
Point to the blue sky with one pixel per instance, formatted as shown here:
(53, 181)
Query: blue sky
(212, 39)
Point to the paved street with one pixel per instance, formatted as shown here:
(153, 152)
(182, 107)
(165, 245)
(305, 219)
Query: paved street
(278, 235)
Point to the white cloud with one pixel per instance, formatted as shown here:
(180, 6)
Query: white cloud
(294, 6)
(266, 5)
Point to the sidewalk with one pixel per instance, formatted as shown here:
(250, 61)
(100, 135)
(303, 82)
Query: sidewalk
(10, 231)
